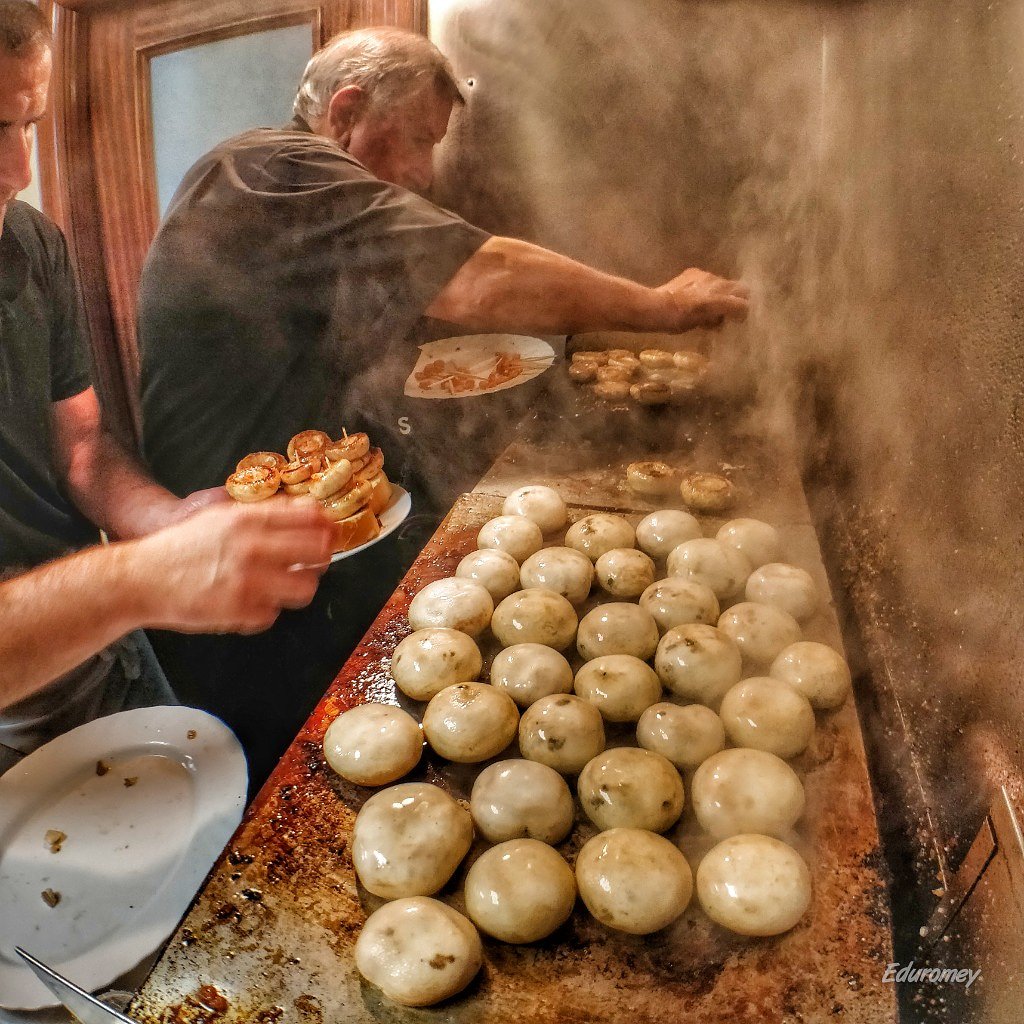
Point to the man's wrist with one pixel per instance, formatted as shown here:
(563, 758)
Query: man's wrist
(143, 588)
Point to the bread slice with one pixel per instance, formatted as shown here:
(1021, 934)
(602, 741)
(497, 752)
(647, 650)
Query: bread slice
(381, 494)
(355, 530)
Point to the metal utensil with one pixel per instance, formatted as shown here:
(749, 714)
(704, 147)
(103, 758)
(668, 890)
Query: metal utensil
(87, 1008)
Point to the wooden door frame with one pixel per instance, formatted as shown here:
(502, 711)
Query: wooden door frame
(96, 150)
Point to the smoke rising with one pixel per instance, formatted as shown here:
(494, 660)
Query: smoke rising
(857, 165)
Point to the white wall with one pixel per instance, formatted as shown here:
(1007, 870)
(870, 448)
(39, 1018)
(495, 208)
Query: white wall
(31, 194)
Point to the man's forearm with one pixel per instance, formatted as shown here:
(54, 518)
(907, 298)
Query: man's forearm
(57, 616)
(113, 489)
(513, 285)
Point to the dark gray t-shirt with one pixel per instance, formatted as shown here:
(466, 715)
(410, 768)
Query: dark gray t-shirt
(282, 275)
(43, 359)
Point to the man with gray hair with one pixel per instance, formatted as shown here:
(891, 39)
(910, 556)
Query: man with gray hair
(292, 261)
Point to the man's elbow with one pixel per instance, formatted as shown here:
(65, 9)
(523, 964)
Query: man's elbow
(477, 293)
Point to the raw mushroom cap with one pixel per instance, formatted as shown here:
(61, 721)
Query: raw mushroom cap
(427, 661)
(542, 505)
(418, 951)
(520, 891)
(527, 672)
(633, 881)
(373, 744)
(768, 714)
(754, 885)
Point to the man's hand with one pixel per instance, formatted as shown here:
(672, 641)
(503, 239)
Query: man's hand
(701, 299)
(232, 568)
(197, 501)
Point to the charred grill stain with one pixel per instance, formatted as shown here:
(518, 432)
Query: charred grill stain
(309, 1007)
(271, 1016)
(212, 999)
(224, 913)
(253, 894)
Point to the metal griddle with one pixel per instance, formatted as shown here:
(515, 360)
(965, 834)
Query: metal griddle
(270, 935)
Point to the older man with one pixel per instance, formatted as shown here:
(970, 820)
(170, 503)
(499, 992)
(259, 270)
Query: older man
(63, 659)
(291, 261)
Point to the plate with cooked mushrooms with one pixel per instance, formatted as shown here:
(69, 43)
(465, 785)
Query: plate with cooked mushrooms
(106, 834)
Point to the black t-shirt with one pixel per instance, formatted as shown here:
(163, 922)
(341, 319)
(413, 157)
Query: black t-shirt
(282, 275)
(43, 359)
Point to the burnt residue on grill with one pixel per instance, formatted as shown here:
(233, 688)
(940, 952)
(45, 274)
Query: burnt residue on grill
(273, 929)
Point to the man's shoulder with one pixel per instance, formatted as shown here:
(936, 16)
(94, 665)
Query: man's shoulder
(33, 229)
(267, 144)
(260, 163)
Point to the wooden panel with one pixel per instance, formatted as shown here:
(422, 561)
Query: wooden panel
(102, 152)
(46, 142)
(71, 194)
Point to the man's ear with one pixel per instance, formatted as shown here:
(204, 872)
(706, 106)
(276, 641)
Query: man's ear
(343, 112)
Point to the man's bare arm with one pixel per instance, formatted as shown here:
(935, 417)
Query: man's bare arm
(226, 569)
(510, 285)
(107, 483)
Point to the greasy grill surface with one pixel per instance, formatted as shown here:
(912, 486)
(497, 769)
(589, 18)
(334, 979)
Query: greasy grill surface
(270, 937)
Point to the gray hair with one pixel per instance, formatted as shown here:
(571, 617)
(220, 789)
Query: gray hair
(23, 28)
(386, 63)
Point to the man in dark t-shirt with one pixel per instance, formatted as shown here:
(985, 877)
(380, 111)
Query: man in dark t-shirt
(43, 360)
(284, 269)
(291, 262)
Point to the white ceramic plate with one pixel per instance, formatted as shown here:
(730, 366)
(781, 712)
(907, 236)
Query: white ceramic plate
(141, 837)
(391, 518)
(477, 364)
